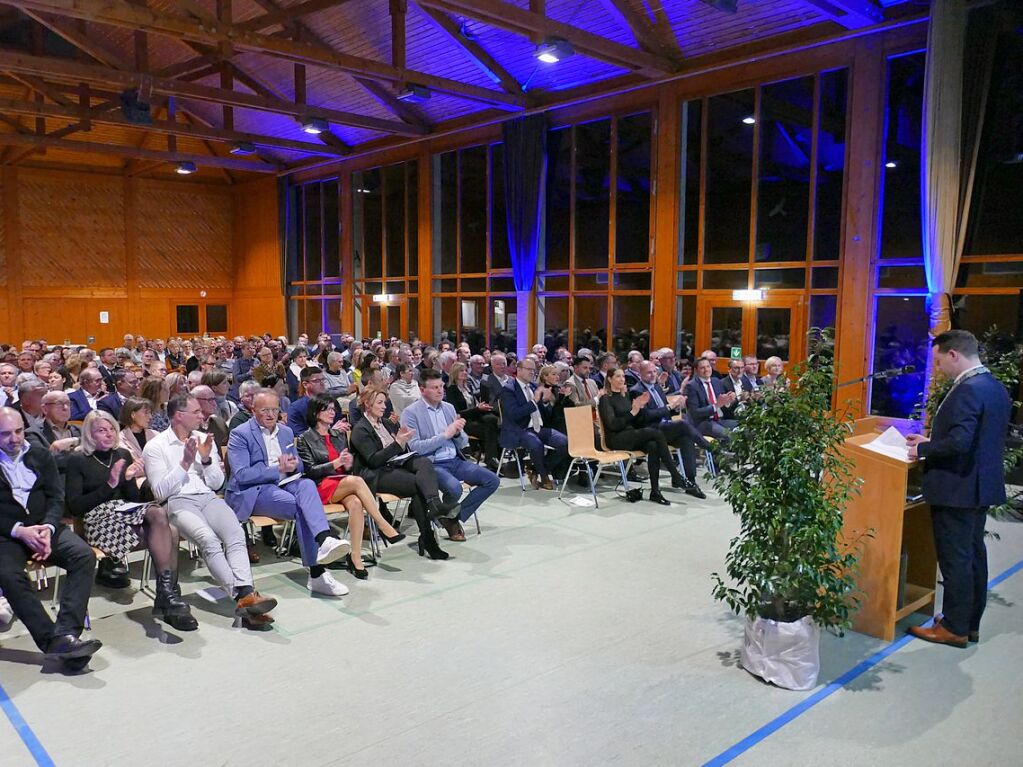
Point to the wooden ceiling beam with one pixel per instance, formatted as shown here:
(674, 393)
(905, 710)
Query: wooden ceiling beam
(136, 153)
(479, 55)
(642, 29)
(399, 42)
(103, 115)
(73, 72)
(213, 32)
(534, 25)
(851, 14)
(287, 15)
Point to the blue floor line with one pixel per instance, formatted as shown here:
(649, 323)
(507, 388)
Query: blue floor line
(805, 705)
(24, 731)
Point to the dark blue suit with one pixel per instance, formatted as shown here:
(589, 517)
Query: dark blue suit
(680, 433)
(963, 476)
(79, 405)
(516, 431)
(701, 412)
(111, 404)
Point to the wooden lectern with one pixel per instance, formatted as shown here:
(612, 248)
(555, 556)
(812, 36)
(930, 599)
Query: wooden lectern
(900, 526)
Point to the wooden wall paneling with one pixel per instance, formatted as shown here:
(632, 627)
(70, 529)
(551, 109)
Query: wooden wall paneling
(72, 228)
(258, 302)
(665, 230)
(12, 250)
(131, 253)
(866, 118)
(55, 319)
(184, 236)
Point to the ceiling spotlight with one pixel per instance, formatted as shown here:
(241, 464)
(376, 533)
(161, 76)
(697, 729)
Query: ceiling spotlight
(749, 120)
(891, 164)
(185, 167)
(243, 147)
(553, 49)
(413, 93)
(315, 125)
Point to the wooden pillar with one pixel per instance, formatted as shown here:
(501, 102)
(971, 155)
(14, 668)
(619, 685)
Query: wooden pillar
(424, 326)
(12, 248)
(347, 263)
(131, 252)
(665, 224)
(859, 240)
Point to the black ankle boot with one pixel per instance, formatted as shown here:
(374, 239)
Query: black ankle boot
(435, 507)
(169, 605)
(428, 542)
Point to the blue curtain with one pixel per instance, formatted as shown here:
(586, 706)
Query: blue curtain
(525, 185)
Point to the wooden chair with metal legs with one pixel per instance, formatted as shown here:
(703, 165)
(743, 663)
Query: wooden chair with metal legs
(581, 447)
(634, 454)
(514, 453)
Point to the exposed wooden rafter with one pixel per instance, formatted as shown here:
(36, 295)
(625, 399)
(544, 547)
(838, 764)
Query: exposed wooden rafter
(851, 14)
(646, 34)
(288, 15)
(535, 25)
(214, 33)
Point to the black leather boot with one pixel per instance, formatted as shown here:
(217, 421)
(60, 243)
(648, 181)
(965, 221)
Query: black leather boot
(169, 605)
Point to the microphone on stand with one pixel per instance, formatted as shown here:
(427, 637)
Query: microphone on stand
(885, 374)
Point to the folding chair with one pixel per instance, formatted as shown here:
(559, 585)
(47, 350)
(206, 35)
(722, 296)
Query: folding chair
(579, 423)
(514, 453)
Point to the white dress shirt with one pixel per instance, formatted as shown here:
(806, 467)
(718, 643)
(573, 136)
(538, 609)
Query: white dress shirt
(535, 419)
(273, 446)
(162, 456)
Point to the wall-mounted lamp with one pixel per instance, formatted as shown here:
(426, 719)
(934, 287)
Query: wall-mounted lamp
(749, 295)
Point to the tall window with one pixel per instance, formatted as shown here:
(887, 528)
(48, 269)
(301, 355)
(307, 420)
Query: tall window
(760, 205)
(474, 294)
(313, 259)
(385, 250)
(594, 288)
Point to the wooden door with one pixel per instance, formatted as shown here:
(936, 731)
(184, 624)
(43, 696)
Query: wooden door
(774, 326)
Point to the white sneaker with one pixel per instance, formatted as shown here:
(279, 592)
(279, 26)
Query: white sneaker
(331, 550)
(326, 585)
(6, 614)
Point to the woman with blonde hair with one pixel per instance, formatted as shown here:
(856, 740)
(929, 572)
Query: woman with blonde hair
(71, 370)
(775, 375)
(101, 489)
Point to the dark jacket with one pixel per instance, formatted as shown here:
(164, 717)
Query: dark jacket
(728, 385)
(45, 501)
(516, 413)
(651, 412)
(369, 451)
(42, 435)
(963, 460)
(79, 405)
(454, 395)
(616, 415)
(312, 449)
(111, 403)
(698, 404)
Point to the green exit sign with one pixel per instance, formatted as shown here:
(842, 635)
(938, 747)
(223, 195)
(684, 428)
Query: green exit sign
(736, 352)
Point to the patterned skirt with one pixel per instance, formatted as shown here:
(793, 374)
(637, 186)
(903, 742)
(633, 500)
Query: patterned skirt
(115, 532)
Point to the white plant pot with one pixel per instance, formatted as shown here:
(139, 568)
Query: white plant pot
(784, 654)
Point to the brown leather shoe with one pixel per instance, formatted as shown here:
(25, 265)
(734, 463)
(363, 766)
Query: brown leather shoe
(939, 635)
(547, 484)
(453, 528)
(973, 637)
(254, 604)
(257, 622)
(253, 555)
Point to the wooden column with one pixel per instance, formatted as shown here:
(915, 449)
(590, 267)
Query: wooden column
(664, 186)
(131, 252)
(424, 327)
(12, 247)
(859, 240)
(347, 263)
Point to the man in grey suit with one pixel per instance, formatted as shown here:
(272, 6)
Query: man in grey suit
(440, 436)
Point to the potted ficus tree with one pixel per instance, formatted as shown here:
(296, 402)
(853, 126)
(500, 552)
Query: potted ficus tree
(789, 571)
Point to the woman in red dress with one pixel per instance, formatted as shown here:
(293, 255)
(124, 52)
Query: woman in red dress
(324, 452)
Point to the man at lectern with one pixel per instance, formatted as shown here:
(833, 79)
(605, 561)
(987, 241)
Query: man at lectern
(963, 476)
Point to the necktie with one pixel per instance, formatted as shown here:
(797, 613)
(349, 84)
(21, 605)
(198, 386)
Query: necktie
(656, 396)
(712, 399)
(590, 393)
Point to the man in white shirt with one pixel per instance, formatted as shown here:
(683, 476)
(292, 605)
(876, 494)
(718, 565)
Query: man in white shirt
(184, 470)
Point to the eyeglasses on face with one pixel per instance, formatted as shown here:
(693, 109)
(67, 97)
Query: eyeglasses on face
(269, 411)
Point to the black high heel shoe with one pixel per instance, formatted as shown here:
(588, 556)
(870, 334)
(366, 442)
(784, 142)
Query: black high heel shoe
(360, 573)
(428, 544)
(396, 538)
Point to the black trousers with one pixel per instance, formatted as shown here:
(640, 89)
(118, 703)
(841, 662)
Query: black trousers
(418, 482)
(486, 428)
(962, 557)
(685, 437)
(652, 441)
(68, 552)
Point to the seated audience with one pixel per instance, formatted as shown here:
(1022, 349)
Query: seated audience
(174, 358)
(85, 398)
(751, 372)
(54, 432)
(480, 420)
(494, 383)
(403, 390)
(736, 383)
(134, 419)
(581, 388)
(775, 373)
(712, 356)
(262, 453)
(439, 433)
(552, 397)
(299, 361)
(8, 389)
(706, 400)
(125, 384)
(246, 393)
(522, 427)
(220, 382)
(185, 472)
(631, 370)
(31, 508)
(313, 382)
(154, 391)
(605, 363)
(324, 453)
(102, 491)
(380, 447)
(623, 430)
(266, 366)
(339, 383)
(669, 376)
